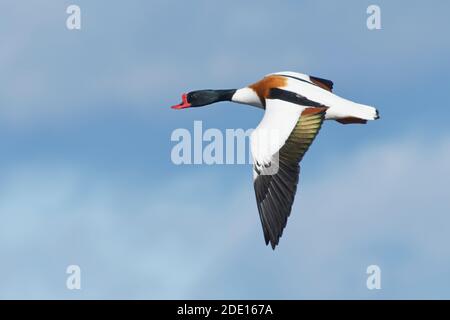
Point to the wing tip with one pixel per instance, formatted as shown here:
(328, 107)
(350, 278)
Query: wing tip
(323, 83)
(274, 244)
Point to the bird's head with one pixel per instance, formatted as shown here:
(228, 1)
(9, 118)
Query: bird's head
(201, 98)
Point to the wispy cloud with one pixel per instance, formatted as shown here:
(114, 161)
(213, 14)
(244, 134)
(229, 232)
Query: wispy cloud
(86, 176)
(192, 237)
(134, 57)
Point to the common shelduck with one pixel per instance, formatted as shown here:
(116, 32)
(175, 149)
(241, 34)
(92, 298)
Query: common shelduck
(295, 107)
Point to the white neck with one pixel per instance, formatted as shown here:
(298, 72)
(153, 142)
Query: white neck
(247, 96)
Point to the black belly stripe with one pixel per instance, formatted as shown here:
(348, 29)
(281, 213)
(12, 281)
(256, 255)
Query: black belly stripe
(292, 97)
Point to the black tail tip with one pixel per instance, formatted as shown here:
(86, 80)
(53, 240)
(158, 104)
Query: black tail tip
(377, 115)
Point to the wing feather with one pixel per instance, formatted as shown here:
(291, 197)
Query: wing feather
(276, 179)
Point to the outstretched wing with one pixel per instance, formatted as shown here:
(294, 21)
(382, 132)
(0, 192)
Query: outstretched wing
(276, 160)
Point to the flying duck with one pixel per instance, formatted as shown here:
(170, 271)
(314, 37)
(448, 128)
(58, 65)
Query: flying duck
(295, 107)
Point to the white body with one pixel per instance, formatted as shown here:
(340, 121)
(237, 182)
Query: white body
(338, 107)
(280, 116)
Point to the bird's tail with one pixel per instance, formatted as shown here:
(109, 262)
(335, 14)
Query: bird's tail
(359, 113)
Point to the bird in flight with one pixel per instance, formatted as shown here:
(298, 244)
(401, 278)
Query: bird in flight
(295, 107)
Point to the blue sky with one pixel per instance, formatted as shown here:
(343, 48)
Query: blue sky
(86, 176)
